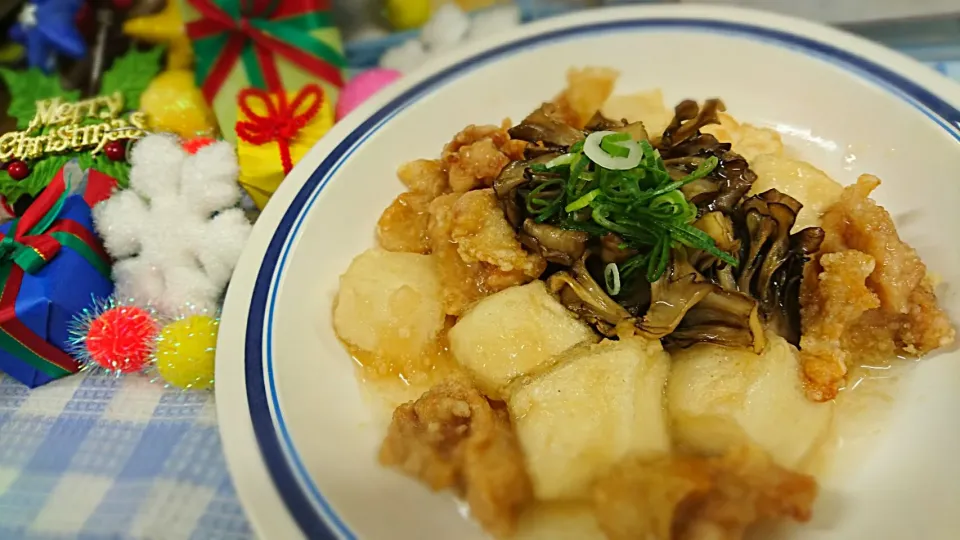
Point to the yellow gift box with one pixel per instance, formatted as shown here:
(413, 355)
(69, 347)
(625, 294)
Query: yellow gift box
(273, 45)
(265, 131)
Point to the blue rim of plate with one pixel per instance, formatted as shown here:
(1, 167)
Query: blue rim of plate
(311, 511)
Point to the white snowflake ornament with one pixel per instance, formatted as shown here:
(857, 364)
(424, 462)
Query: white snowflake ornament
(446, 28)
(175, 233)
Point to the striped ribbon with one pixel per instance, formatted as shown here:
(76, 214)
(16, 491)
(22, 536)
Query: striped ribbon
(255, 32)
(32, 241)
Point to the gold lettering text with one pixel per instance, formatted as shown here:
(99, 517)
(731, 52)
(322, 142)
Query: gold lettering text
(9, 142)
(114, 103)
(46, 113)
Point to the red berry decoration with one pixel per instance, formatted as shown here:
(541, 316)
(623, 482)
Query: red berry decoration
(18, 170)
(116, 150)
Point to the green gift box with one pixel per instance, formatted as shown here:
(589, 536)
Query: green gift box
(274, 45)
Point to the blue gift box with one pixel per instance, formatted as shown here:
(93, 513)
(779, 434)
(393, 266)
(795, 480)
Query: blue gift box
(49, 298)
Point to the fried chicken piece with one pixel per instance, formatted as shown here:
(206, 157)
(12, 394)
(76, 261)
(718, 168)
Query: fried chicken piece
(476, 155)
(857, 222)
(836, 301)
(476, 165)
(440, 224)
(694, 498)
(460, 281)
(494, 261)
(424, 176)
(482, 234)
(462, 284)
(403, 225)
(452, 437)
(925, 326)
(873, 298)
(511, 148)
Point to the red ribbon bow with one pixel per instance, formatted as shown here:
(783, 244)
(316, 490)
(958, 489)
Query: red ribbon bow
(251, 28)
(282, 122)
(29, 244)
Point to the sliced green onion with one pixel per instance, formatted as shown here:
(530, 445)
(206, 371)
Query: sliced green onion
(593, 150)
(674, 205)
(609, 144)
(616, 136)
(659, 257)
(611, 277)
(582, 202)
(539, 206)
(558, 161)
(691, 236)
(578, 167)
(611, 183)
(706, 167)
(538, 167)
(601, 214)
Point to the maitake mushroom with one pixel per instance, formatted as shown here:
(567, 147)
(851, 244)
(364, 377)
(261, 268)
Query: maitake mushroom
(700, 297)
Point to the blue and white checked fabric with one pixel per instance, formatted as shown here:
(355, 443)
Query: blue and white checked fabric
(91, 457)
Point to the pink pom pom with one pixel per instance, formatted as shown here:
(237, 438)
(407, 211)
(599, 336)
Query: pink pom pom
(362, 87)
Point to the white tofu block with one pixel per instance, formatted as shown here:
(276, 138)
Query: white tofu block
(389, 303)
(600, 403)
(720, 397)
(512, 333)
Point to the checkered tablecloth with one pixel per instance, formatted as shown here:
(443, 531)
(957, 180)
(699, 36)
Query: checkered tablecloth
(91, 457)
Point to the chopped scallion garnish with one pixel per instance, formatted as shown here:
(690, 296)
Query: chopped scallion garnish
(559, 161)
(611, 277)
(609, 144)
(611, 183)
(582, 202)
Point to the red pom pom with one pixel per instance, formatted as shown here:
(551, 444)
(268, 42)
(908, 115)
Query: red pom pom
(122, 339)
(196, 143)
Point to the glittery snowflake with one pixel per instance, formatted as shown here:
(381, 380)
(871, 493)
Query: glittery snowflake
(175, 233)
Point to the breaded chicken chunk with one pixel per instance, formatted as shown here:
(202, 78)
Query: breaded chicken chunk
(695, 498)
(871, 297)
(453, 437)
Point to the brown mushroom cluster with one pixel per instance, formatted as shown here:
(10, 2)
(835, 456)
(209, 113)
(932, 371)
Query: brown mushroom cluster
(699, 298)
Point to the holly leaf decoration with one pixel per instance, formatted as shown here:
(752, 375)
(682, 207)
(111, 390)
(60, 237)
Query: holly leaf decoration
(85, 161)
(28, 87)
(41, 173)
(130, 74)
(119, 170)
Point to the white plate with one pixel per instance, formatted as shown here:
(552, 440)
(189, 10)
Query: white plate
(298, 437)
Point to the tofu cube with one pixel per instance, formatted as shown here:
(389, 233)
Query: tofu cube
(389, 303)
(720, 397)
(513, 333)
(600, 403)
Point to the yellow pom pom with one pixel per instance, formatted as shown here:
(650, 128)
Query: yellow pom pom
(407, 14)
(172, 102)
(186, 351)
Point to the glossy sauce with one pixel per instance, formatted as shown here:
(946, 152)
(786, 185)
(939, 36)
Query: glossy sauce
(861, 412)
(387, 382)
